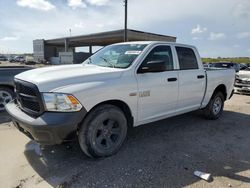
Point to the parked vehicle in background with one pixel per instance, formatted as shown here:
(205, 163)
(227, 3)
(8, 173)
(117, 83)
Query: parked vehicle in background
(11, 59)
(226, 65)
(7, 83)
(122, 85)
(242, 82)
(206, 65)
(29, 60)
(243, 66)
(19, 59)
(3, 58)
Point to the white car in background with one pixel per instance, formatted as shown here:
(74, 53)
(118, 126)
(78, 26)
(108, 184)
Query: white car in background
(242, 82)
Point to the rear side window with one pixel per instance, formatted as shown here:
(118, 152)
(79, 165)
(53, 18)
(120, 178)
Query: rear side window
(187, 58)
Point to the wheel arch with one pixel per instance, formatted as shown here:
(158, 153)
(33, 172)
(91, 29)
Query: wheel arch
(121, 105)
(221, 88)
(7, 86)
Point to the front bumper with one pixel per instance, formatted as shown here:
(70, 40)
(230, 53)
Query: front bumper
(242, 88)
(48, 129)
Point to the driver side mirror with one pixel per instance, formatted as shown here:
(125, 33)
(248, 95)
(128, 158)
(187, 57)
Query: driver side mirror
(153, 66)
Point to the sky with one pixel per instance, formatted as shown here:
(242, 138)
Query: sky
(219, 28)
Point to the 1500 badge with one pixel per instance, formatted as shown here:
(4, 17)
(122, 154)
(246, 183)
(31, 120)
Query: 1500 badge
(144, 93)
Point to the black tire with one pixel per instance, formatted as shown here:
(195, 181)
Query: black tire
(6, 95)
(215, 106)
(103, 131)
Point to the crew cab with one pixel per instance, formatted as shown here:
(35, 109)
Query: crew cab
(120, 86)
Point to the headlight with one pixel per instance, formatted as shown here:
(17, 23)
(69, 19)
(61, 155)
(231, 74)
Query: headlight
(59, 102)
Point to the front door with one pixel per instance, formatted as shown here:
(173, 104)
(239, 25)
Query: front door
(158, 91)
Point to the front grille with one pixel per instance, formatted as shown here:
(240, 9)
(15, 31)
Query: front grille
(29, 98)
(242, 81)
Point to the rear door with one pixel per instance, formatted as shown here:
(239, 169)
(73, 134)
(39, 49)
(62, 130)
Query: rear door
(158, 91)
(191, 79)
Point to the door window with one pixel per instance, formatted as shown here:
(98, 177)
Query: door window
(187, 58)
(160, 53)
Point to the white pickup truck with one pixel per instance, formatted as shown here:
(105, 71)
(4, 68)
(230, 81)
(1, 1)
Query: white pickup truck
(122, 85)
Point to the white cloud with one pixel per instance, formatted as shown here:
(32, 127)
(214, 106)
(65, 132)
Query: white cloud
(79, 25)
(196, 38)
(100, 25)
(243, 35)
(216, 36)
(241, 10)
(198, 29)
(98, 2)
(9, 38)
(76, 4)
(36, 4)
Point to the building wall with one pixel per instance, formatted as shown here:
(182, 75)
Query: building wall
(43, 52)
(38, 50)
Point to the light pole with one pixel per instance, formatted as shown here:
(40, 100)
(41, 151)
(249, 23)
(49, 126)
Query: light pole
(126, 21)
(70, 32)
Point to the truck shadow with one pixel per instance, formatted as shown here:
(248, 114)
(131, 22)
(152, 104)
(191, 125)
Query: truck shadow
(4, 117)
(160, 154)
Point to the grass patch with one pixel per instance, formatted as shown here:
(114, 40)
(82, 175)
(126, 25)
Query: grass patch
(227, 59)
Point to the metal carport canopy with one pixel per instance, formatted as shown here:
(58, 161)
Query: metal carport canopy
(106, 38)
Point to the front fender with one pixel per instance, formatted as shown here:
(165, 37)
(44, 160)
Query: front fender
(92, 93)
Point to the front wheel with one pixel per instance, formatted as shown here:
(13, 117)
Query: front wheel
(215, 106)
(103, 131)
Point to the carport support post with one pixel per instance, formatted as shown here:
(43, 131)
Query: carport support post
(66, 44)
(126, 21)
(90, 50)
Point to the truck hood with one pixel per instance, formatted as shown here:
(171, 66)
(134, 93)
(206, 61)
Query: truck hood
(51, 78)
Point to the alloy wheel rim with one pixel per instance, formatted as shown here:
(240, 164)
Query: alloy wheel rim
(217, 105)
(107, 135)
(5, 98)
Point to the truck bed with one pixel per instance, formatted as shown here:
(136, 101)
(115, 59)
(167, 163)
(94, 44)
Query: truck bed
(216, 77)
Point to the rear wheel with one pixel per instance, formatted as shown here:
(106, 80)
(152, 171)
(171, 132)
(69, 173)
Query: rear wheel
(215, 106)
(6, 95)
(103, 131)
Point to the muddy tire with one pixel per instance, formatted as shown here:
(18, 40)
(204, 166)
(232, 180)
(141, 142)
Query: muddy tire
(215, 106)
(103, 131)
(6, 95)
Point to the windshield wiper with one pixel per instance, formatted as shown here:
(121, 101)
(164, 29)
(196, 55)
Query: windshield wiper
(113, 66)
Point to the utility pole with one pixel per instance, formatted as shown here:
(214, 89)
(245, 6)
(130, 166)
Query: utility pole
(126, 21)
(69, 31)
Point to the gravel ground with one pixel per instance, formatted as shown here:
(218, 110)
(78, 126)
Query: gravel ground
(161, 154)
(7, 63)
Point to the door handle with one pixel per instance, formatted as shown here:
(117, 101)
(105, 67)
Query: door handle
(200, 76)
(172, 79)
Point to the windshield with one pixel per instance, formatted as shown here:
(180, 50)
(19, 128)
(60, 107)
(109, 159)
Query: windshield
(116, 56)
(247, 69)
